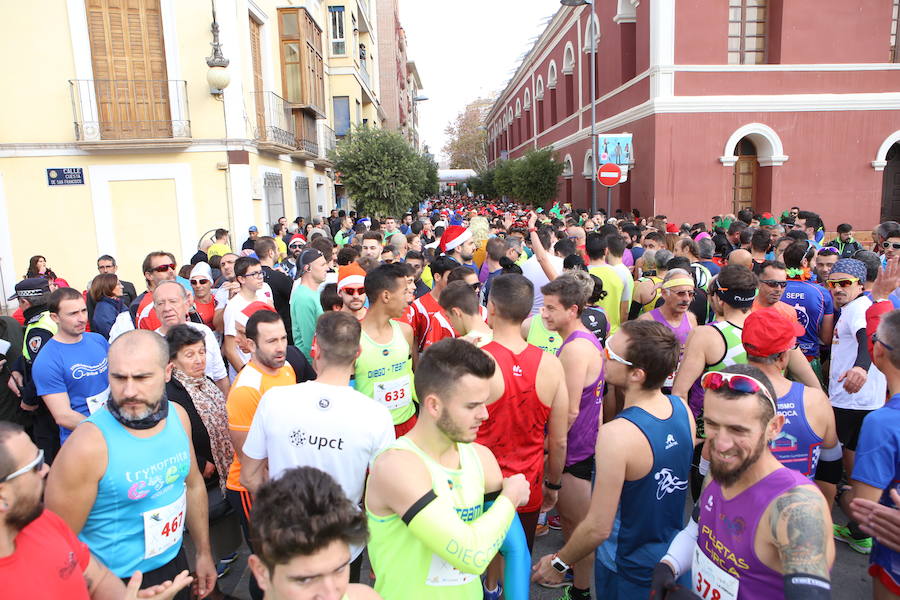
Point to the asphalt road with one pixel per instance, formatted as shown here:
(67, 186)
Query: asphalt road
(850, 579)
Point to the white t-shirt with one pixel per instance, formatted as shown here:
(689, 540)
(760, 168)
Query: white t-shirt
(264, 294)
(625, 275)
(215, 365)
(333, 428)
(534, 273)
(234, 306)
(843, 355)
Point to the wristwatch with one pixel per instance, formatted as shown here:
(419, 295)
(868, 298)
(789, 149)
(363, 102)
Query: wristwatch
(557, 563)
(552, 486)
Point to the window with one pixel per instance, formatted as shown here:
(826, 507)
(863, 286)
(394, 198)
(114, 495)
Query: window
(592, 27)
(338, 42)
(895, 17)
(341, 115)
(303, 73)
(747, 32)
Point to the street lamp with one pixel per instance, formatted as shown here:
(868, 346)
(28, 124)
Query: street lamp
(217, 76)
(593, 98)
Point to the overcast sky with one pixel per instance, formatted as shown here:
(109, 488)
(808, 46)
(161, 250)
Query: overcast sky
(466, 49)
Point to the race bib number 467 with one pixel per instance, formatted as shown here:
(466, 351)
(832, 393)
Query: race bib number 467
(163, 527)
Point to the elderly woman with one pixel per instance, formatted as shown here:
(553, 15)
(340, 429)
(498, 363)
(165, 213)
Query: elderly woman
(106, 292)
(203, 401)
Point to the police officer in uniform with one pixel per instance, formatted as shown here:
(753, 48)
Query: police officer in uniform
(33, 294)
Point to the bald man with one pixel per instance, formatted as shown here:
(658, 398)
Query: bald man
(141, 438)
(741, 257)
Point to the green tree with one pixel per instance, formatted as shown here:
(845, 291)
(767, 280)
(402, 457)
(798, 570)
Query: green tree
(466, 145)
(381, 172)
(430, 184)
(505, 177)
(483, 183)
(537, 177)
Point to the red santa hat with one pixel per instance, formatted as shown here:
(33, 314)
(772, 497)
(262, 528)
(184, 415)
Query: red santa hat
(454, 236)
(244, 315)
(350, 275)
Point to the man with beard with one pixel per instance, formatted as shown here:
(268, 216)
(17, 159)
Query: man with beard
(760, 529)
(644, 460)
(371, 245)
(431, 535)
(324, 423)
(351, 288)
(37, 548)
(127, 479)
(456, 243)
(678, 292)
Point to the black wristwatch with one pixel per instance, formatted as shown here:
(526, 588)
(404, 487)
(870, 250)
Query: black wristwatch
(552, 486)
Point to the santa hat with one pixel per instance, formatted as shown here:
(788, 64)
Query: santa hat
(454, 236)
(244, 315)
(297, 236)
(350, 275)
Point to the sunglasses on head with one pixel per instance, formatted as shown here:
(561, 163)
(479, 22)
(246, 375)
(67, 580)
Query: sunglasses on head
(164, 268)
(354, 291)
(36, 465)
(743, 384)
(199, 281)
(828, 251)
(774, 283)
(833, 283)
(893, 245)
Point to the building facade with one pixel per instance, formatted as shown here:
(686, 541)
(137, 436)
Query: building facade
(399, 77)
(123, 147)
(760, 103)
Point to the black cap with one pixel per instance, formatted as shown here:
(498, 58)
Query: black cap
(33, 287)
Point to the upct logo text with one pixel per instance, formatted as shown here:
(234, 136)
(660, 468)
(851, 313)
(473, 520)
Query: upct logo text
(301, 438)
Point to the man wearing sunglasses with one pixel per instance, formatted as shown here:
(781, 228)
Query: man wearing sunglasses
(157, 267)
(350, 286)
(808, 440)
(856, 386)
(43, 550)
(644, 458)
(678, 293)
(759, 529)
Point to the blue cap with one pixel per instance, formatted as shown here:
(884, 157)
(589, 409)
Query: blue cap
(253, 229)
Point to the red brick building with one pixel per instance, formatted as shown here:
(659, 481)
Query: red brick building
(733, 103)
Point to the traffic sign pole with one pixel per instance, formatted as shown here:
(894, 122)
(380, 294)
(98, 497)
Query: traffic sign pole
(609, 175)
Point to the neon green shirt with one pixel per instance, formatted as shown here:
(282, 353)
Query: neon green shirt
(543, 338)
(384, 372)
(614, 288)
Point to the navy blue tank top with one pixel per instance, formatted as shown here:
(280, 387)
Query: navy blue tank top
(797, 446)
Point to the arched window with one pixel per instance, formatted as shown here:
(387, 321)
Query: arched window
(539, 88)
(518, 108)
(568, 169)
(551, 75)
(588, 170)
(592, 20)
(527, 103)
(769, 150)
(568, 60)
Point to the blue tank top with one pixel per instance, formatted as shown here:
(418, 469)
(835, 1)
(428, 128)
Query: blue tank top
(652, 508)
(797, 446)
(811, 302)
(137, 519)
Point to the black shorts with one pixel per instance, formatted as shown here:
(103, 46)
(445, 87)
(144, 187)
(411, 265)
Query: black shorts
(849, 423)
(583, 469)
(168, 572)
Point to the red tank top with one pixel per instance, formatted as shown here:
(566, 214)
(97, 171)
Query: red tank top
(517, 421)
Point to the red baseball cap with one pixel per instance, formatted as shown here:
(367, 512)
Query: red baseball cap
(671, 228)
(767, 331)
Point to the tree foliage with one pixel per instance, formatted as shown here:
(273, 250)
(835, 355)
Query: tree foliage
(382, 172)
(467, 137)
(532, 179)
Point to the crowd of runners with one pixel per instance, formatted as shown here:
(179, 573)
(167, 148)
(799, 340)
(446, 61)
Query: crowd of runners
(436, 390)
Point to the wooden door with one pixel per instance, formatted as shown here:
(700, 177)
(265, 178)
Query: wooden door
(890, 195)
(129, 62)
(256, 61)
(744, 183)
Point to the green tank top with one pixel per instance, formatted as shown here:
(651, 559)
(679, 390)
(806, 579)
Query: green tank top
(384, 372)
(734, 348)
(543, 338)
(404, 567)
(652, 304)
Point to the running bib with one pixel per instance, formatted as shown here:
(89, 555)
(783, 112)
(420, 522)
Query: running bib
(163, 527)
(443, 574)
(711, 582)
(95, 403)
(394, 394)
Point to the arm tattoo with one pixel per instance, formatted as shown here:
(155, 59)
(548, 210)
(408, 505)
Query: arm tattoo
(798, 531)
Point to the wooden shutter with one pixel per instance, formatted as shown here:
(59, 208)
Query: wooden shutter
(129, 63)
(256, 59)
(744, 182)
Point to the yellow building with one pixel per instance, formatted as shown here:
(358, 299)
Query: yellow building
(113, 141)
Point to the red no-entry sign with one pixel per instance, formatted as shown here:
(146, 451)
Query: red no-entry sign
(609, 174)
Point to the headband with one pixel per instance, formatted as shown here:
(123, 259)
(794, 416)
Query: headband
(736, 298)
(675, 282)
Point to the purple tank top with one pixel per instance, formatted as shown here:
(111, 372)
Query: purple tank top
(797, 446)
(727, 532)
(681, 332)
(582, 436)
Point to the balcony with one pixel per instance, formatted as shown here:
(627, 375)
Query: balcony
(327, 144)
(307, 142)
(364, 73)
(130, 113)
(275, 129)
